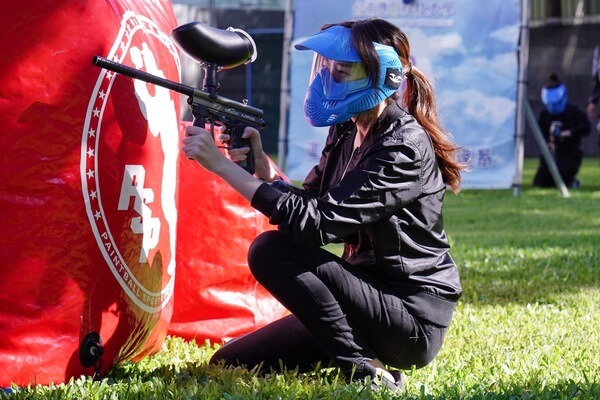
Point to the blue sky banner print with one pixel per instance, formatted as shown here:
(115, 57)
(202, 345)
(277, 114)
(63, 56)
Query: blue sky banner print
(469, 50)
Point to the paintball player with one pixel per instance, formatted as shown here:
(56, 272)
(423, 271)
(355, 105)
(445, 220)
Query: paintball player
(563, 125)
(387, 302)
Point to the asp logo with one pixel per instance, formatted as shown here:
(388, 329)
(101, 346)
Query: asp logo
(129, 150)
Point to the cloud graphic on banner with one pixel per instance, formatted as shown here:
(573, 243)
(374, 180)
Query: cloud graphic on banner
(472, 110)
(427, 48)
(508, 34)
(483, 74)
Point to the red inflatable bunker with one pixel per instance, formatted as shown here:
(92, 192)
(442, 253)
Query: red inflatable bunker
(88, 187)
(89, 193)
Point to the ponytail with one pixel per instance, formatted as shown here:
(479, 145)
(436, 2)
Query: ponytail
(419, 98)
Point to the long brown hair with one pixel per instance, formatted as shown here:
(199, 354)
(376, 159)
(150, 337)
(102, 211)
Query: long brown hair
(419, 96)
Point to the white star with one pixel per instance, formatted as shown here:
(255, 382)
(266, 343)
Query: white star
(90, 174)
(93, 194)
(97, 215)
(92, 133)
(102, 94)
(96, 112)
(90, 153)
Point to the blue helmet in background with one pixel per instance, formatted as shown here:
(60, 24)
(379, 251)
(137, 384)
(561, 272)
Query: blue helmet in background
(339, 87)
(554, 98)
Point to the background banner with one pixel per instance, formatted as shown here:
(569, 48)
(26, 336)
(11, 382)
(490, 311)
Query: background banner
(470, 53)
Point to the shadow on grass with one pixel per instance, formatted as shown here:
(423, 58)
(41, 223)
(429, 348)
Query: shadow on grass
(536, 274)
(533, 248)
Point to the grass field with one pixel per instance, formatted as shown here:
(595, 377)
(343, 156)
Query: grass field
(527, 326)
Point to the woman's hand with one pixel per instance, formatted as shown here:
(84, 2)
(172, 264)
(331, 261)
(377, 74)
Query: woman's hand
(263, 168)
(199, 145)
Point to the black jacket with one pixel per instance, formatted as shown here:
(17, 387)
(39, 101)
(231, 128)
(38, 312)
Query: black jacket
(384, 202)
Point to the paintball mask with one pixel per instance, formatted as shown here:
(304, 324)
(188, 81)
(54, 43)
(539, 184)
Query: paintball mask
(339, 87)
(554, 98)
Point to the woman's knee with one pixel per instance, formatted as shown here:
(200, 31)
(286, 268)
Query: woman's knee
(233, 354)
(264, 251)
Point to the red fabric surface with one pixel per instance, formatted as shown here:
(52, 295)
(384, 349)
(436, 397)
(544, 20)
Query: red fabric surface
(68, 133)
(94, 193)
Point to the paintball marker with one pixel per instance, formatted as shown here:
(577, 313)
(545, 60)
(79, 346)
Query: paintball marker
(214, 49)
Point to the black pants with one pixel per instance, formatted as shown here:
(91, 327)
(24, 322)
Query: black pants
(567, 165)
(340, 313)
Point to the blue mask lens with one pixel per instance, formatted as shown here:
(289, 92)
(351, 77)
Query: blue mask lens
(555, 99)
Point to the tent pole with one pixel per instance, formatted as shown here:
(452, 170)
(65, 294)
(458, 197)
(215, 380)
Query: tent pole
(284, 104)
(521, 97)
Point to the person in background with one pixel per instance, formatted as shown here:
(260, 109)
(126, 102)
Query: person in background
(379, 189)
(563, 125)
(592, 108)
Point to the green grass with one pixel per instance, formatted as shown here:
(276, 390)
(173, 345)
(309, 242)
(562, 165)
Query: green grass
(527, 326)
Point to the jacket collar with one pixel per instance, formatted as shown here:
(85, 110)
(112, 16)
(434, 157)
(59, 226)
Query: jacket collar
(391, 114)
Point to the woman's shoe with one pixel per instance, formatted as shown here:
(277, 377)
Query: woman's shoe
(380, 378)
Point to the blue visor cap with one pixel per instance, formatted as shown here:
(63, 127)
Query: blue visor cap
(334, 43)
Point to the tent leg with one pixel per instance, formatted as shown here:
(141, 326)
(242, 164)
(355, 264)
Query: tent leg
(521, 97)
(282, 146)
